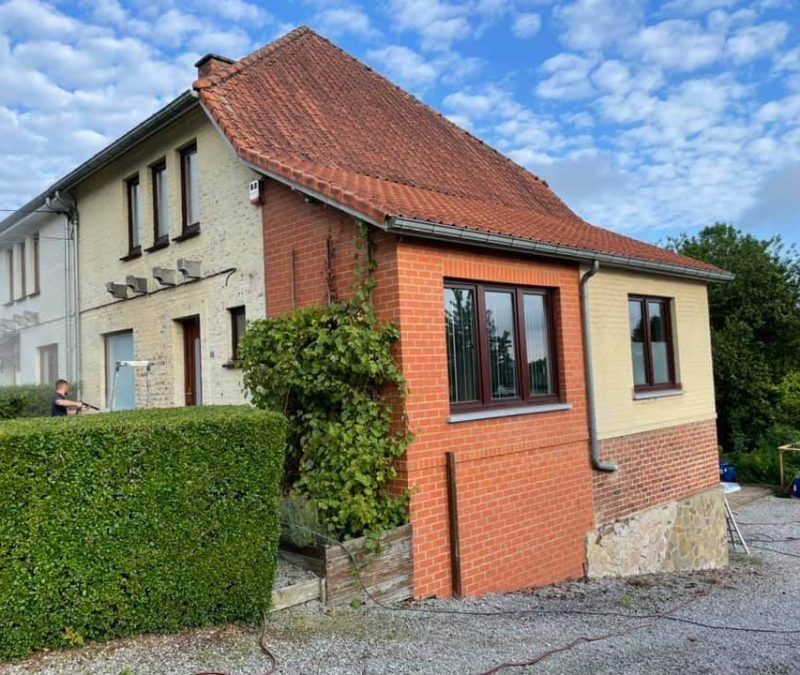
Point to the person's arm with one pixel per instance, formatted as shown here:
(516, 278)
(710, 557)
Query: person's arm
(66, 403)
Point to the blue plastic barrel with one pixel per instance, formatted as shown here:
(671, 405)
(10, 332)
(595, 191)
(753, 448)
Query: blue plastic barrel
(796, 487)
(727, 472)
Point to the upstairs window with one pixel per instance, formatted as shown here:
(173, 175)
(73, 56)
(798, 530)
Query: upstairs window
(652, 348)
(500, 347)
(134, 216)
(190, 190)
(160, 204)
(8, 256)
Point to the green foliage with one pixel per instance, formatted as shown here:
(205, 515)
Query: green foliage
(29, 400)
(330, 370)
(789, 400)
(760, 465)
(299, 521)
(133, 522)
(755, 328)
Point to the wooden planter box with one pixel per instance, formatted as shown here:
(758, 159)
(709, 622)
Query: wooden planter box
(388, 575)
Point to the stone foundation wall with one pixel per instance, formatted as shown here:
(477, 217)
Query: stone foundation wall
(687, 534)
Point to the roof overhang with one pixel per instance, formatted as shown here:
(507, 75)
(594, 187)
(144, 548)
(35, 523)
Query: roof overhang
(153, 124)
(452, 234)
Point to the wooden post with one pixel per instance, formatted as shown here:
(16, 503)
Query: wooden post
(455, 538)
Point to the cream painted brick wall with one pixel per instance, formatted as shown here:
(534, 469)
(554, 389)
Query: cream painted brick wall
(618, 413)
(231, 237)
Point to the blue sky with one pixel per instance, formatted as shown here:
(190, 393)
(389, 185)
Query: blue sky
(647, 118)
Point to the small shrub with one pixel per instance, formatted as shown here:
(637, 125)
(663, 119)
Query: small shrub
(300, 522)
(31, 400)
(133, 522)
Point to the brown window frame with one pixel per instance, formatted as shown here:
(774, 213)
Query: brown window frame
(234, 313)
(159, 240)
(187, 229)
(133, 251)
(485, 401)
(673, 383)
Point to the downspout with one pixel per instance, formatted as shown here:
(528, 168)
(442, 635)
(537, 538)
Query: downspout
(71, 297)
(591, 403)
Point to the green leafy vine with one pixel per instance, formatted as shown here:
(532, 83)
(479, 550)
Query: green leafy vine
(331, 371)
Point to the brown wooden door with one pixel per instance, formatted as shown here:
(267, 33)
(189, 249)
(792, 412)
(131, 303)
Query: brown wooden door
(192, 354)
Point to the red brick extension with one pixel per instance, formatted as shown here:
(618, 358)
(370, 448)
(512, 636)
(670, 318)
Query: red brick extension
(525, 486)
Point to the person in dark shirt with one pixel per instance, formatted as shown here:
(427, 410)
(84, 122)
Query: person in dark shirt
(60, 404)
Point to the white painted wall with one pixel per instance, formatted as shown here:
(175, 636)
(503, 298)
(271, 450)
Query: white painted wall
(49, 303)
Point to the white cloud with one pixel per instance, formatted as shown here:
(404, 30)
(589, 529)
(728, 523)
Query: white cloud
(438, 23)
(784, 110)
(677, 44)
(405, 65)
(526, 25)
(756, 41)
(595, 24)
(568, 77)
(337, 21)
(696, 6)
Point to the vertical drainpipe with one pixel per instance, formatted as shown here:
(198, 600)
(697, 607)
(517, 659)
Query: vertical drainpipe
(68, 207)
(594, 442)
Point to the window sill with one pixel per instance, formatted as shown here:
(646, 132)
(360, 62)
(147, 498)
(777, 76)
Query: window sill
(188, 232)
(508, 412)
(135, 253)
(161, 242)
(662, 393)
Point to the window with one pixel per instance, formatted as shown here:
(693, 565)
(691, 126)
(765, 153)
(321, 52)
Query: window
(35, 255)
(190, 190)
(9, 261)
(238, 325)
(160, 204)
(48, 364)
(134, 216)
(651, 343)
(499, 345)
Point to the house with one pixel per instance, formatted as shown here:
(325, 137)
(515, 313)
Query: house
(559, 374)
(37, 324)
(170, 266)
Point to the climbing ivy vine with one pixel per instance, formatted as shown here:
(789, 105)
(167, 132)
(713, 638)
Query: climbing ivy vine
(331, 371)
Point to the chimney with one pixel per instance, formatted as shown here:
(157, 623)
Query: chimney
(211, 64)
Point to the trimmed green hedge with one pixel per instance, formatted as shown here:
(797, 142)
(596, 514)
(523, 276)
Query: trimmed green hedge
(27, 400)
(132, 522)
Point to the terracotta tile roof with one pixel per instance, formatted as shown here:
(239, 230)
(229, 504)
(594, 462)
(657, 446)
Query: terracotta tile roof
(303, 109)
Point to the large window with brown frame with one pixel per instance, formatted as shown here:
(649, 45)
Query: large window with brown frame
(652, 348)
(500, 345)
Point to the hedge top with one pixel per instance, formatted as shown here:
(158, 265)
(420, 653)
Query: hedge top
(132, 419)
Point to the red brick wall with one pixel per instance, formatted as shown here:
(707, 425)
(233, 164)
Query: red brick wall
(524, 483)
(655, 467)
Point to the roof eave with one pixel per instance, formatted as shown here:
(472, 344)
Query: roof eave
(462, 235)
(174, 109)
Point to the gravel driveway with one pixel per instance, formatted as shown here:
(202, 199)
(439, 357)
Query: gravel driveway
(761, 591)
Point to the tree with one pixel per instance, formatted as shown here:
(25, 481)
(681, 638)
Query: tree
(755, 326)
